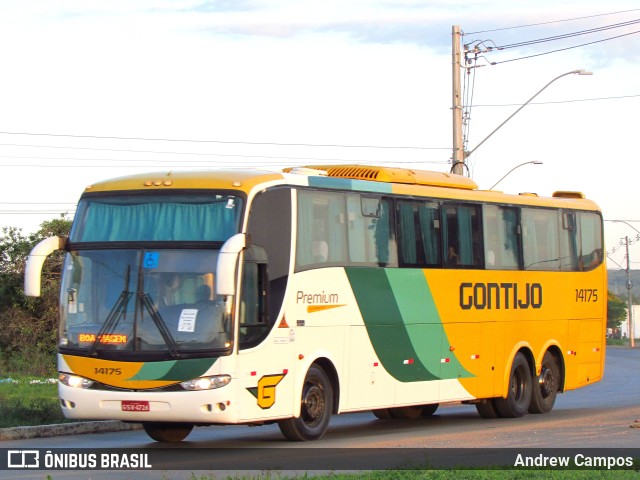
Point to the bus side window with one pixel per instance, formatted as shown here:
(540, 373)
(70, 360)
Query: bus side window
(371, 232)
(418, 233)
(540, 239)
(322, 231)
(590, 240)
(501, 246)
(462, 235)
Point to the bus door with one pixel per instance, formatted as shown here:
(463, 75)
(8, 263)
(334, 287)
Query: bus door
(264, 349)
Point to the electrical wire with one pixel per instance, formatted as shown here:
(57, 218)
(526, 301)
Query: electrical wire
(621, 97)
(567, 35)
(566, 48)
(224, 142)
(553, 21)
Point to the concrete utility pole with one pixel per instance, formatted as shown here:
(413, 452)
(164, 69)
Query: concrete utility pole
(458, 157)
(632, 341)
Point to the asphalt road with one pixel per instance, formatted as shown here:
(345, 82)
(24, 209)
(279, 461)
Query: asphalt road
(597, 417)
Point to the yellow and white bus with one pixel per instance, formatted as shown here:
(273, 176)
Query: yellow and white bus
(249, 297)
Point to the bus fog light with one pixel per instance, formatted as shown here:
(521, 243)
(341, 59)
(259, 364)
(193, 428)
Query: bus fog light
(206, 383)
(74, 381)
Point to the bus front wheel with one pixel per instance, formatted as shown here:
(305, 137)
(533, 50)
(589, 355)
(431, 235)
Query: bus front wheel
(519, 392)
(545, 386)
(315, 409)
(167, 432)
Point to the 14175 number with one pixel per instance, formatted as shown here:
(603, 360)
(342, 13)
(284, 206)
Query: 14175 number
(586, 295)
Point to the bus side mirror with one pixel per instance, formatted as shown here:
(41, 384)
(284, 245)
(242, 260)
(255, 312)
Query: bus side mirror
(35, 260)
(227, 263)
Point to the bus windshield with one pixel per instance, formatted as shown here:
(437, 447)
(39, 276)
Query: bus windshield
(165, 218)
(141, 300)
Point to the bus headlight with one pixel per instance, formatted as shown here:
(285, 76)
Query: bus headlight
(206, 383)
(74, 381)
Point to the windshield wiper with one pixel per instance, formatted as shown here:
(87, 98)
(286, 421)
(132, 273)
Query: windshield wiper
(117, 313)
(148, 304)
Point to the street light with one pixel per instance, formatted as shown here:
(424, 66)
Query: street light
(534, 162)
(572, 72)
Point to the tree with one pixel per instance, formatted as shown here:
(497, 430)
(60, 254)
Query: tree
(616, 311)
(29, 325)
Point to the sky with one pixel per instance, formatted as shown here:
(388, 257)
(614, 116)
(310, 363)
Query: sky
(91, 90)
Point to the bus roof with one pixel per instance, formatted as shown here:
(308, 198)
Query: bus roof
(394, 175)
(355, 177)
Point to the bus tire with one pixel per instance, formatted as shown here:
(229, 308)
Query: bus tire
(545, 385)
(315, 409)
(428, 410)
(518, 397)
(408, 413)
(487, 409)
(167, 432)
(382, 414)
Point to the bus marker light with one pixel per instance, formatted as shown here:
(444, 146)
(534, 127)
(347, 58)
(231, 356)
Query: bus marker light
(253, 374)
(445, 360)
(300, 357)
(475, 357)
(375, 364)
(408, 361)
(452, 348)
(285, 371)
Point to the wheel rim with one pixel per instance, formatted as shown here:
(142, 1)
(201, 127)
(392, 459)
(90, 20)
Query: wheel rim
(313, 404)
(547, 382)
(518, 385)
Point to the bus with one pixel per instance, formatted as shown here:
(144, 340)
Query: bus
(253, 297)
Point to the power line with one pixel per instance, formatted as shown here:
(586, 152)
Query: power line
(224, 142)
(567, 35)
(552, 21)
(560, 101)
(566, 48)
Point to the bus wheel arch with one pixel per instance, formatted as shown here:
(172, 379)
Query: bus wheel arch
(547, 384)
(316, 407)
(332, 373)
(519, 387)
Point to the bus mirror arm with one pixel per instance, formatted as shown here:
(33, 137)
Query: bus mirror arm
(35, 261)
(227, 262)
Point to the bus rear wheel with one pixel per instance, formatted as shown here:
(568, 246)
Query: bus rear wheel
(315, 409)
(545, 385)
(519, 393)
(487, 409)
(167, 432)
(428, 410)
(383, 413)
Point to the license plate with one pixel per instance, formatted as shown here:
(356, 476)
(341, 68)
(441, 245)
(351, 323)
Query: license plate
(135, 406)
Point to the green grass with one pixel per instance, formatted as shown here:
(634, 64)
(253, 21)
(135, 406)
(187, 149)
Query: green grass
(28, 401)
(445, 475)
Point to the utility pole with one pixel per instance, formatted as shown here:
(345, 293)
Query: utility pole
(458, 157)
(632, 341)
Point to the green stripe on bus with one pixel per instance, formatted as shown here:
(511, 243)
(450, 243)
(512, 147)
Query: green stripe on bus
(403, 323)
(385, 325)
(178, 370)
(423, 322)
